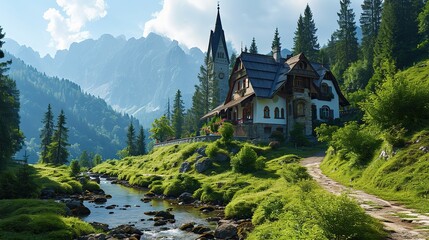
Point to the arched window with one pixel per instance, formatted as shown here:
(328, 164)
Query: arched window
(266, 112)
(300, 109)
(325, 113)
(282, 113)
(276, 113)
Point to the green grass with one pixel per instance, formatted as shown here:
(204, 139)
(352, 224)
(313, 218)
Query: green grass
(403, 177)
(267, 196)
(59, 179)
(38, 219)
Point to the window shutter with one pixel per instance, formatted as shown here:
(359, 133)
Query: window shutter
(331, 114)
(320, 113)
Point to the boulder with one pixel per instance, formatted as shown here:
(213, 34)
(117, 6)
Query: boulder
(160, 223)
(111, 207)
(274, 144)
(80, 211)
(226, 231)
(202, 151)
(47, 193)
(186, 166)
(207, 235)
(186, 198)
(150, 213)
(100, 200)
(200, 229)
(221, 157)
(125, 229)
(207, 209)
(203, 164)
(165, 215)
(244, 228)
(187, 227)
(73, 203)
(101, 226)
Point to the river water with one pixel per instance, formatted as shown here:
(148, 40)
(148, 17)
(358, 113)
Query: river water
(122, 196)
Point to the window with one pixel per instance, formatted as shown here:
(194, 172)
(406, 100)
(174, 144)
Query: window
(266, 112)
(282, 113)
(239, 85)
(220, 55)
(324, 88)
(276, 113)
(326, 113)
(300, 109)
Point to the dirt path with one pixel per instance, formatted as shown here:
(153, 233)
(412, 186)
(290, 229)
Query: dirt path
(402, 223)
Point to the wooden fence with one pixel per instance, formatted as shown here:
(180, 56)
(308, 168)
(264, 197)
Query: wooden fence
(207, 138)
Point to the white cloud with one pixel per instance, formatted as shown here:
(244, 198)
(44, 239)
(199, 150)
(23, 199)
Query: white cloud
(67, 29)
(190, 21)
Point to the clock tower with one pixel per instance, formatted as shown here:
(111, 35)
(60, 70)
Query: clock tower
(217, 54)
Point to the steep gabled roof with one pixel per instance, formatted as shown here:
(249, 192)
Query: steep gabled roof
(262, 72)
(326, 74)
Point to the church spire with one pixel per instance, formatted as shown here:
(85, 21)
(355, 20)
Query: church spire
(218, 26)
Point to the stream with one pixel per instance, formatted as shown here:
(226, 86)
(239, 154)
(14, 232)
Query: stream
(122, 196)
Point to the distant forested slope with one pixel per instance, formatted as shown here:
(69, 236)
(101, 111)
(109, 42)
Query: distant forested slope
(93, 125)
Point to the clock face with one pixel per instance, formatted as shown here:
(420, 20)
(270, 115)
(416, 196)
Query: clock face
(221, 75)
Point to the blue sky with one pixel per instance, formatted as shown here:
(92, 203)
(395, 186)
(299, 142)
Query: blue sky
(49, 25)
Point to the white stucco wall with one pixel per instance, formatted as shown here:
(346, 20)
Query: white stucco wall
(334, 104)
(258, 110)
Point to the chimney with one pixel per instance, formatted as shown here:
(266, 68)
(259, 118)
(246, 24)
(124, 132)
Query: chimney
(277, 54)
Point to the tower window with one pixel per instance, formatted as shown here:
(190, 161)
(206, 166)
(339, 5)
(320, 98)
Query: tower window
(221, 55)
(276, 113)
(266, 112)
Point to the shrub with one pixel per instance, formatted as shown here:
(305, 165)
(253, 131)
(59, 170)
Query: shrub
(226, 130)
(91, 186)
(182, 183)
(297, 135)
(268, 210)
(209, 195)
(212, 149)
(324, 132)
(74, 167)
(245, 160)
(356, 142)
(260, 163)
(240, 209)
(294, 173)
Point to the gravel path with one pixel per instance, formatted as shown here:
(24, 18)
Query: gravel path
(399, 221)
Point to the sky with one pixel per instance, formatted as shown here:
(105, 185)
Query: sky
(51, 25)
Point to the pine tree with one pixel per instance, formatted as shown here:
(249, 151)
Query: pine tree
(397, 40)
(310, 43)
(178, 115)
(298, 39)
(276, 41)
(84, 159)
(46, 134)
(11, 138)
(131, 135)
(232, 61)
(370, 20)
(141, 145)
(424, 28)
(253, 48)
(168, 111)
(57, 151)
(97, 159)
(346, 44)
(204, 87)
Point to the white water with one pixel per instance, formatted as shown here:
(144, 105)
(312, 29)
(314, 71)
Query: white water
(128, 196)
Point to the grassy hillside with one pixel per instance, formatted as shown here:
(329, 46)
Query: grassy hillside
(394, 162)
(32, 218)
(403, 174)
(278, 195)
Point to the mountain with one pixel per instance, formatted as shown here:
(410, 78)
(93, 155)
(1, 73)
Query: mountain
(93, 125)
(135, 76)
